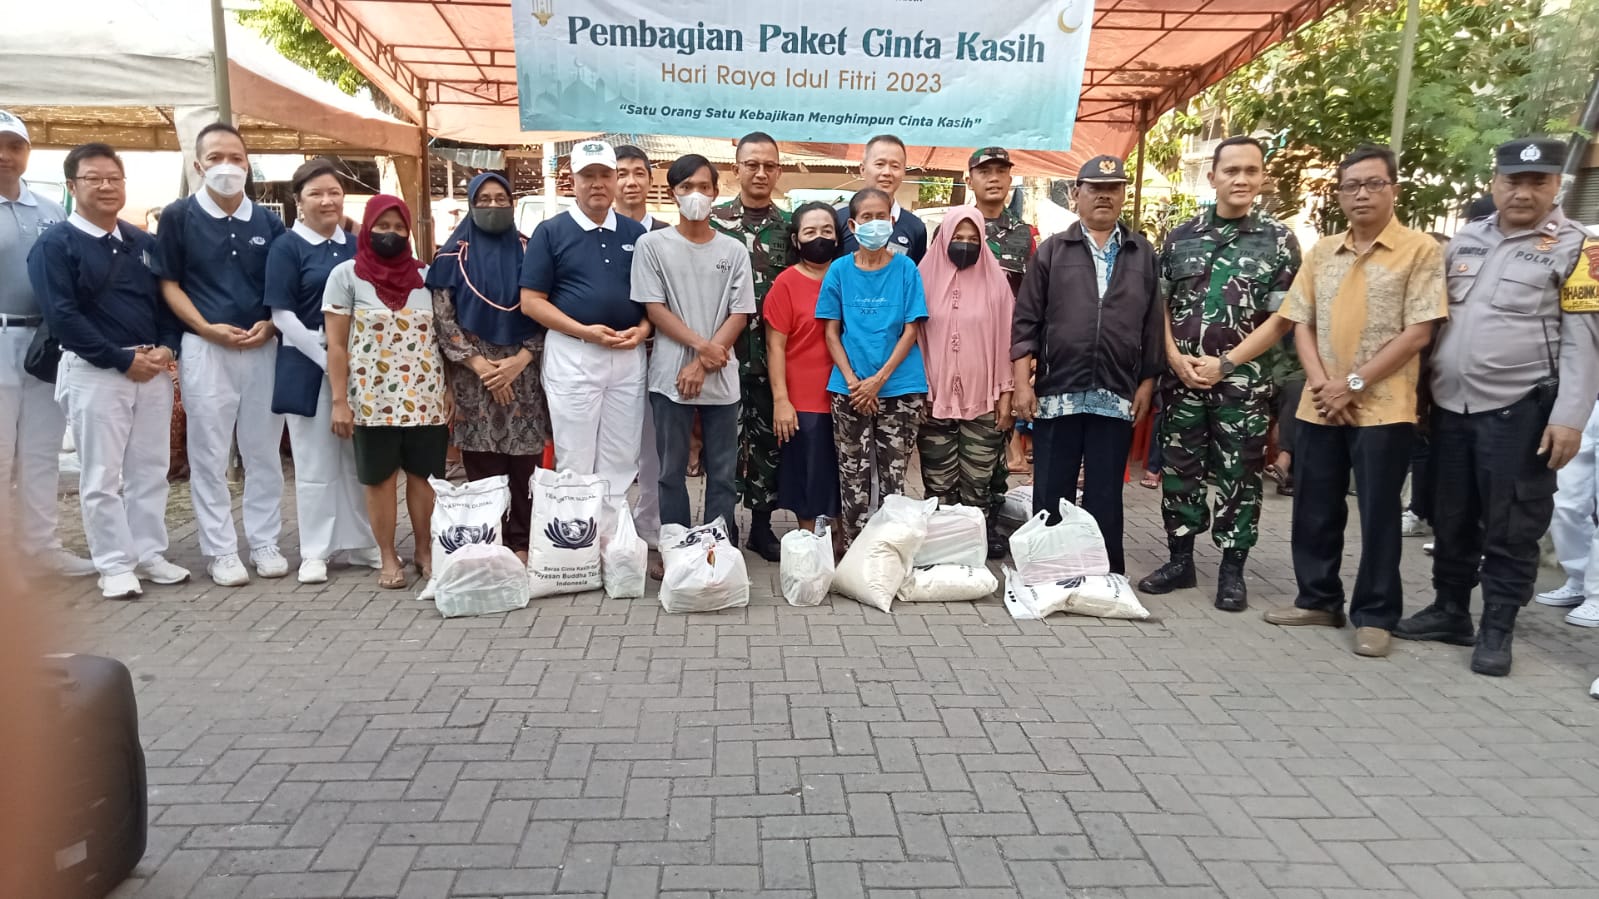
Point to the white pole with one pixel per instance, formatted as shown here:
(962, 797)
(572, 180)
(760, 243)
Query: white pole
(550, 163)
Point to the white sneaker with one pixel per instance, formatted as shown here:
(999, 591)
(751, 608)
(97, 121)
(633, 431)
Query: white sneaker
(269, 562)
(1411, 525)
(121, 586)
(1585, 615)
(1567, 594)
(367, 558)
(228, 571)
(1427, 548)
(157, 570)
(313, 571)
(66, 563)
(1594, 690)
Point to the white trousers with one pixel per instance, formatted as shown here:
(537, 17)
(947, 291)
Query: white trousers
(124, 435)
(1572, 527)
(31, 425)
(647, 516)
(328, 500)
(227, 391)
(596, 408)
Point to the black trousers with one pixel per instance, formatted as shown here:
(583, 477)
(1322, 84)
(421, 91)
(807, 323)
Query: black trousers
(1492, 499)
(1288, 396)
(1323, 457)
(1421, 479)
(1096, 446)
(519, 517)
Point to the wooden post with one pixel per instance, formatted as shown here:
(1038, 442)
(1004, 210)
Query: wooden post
(424, 203)
(1138, 176)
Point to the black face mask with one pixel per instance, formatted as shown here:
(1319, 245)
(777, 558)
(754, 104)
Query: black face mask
(818, 250)
(389, 244)
(493, 219)
(964, 253)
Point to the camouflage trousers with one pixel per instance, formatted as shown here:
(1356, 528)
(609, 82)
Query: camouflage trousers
(1218, 435)
(959, 459)
(883, 441)
(757, 444)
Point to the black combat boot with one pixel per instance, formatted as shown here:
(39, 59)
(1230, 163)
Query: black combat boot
(1231, 594)
(1447, 620)
(762, 541)
(1176, 574)
(1492, 655)
(997, 546)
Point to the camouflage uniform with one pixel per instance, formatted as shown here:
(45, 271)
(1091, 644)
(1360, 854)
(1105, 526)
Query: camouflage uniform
(1013, 244)
(960, 460)
(1221, 280)
(883, 441)
(767, 240)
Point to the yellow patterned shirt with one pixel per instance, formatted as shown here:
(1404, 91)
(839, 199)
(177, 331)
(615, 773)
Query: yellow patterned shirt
(1360, 301)
(396, 371)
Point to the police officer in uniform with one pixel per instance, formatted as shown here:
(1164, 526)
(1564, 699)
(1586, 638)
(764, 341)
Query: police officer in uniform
(1514, 375)
(1223, 274)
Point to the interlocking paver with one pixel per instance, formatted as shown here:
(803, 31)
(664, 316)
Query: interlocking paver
(344, 741)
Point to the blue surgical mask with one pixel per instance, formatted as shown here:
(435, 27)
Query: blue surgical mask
(873, 235)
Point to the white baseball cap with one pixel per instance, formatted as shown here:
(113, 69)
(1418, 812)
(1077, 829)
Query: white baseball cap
(593, 152)
(13, 125)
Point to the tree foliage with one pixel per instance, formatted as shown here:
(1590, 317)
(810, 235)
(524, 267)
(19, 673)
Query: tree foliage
(287, 29)
(1484, 72)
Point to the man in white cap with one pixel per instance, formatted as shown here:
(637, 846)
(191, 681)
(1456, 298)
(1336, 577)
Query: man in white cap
(577, 282)
(31, 424)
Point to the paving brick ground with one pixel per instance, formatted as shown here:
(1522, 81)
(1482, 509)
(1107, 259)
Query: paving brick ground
(342, 741)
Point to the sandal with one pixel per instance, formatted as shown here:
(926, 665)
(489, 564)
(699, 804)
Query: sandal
(391, 580)
(425, 573)
(1151, 480)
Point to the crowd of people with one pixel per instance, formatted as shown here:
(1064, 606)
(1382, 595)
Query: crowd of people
(808, 355)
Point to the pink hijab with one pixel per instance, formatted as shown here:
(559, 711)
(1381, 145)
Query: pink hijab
(966, 338)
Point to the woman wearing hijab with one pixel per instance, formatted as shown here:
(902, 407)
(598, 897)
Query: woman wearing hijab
(327, 496)
(387, 379)
(491, 350)
(966, 344)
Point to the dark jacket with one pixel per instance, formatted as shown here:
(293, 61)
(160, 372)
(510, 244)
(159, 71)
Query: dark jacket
(1083, 342)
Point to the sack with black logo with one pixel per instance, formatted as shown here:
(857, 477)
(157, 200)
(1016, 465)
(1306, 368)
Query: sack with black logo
(463, 515)
(563, 547)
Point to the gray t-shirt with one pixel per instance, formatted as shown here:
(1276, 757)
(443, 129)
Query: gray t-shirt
(702, 284)
(21, 222)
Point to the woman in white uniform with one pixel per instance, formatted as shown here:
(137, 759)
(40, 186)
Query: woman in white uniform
(329, 501)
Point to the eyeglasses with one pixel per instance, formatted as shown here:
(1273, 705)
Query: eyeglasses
(93, 181)
(494, 202)
(770, 168)
(1372, 185)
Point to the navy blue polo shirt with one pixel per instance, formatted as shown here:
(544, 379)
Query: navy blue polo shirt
(586, 269)
(297, 272)
(98, 294)
(219, 260)
(909, 236)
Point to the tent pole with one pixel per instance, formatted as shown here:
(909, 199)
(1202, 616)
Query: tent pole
(424, 196)
(550, 163)
(219, 62)
(1138, 176)
(1407, 60)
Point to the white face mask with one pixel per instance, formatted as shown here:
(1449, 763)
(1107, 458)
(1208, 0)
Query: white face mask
(695, 207)
(225, 178)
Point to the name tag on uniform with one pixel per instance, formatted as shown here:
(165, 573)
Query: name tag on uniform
(1580, 293)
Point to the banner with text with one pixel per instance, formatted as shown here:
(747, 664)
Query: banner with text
(934, 72)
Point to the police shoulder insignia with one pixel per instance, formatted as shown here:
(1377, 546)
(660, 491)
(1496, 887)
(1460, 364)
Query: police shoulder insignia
(1581, 291)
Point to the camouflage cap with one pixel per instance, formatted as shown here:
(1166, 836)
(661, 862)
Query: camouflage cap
(987, 154)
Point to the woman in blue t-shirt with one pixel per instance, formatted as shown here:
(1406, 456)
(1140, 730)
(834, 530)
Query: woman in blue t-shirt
(328, 500)
(872, 301)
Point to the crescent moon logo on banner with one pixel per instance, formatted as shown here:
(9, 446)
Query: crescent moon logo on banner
(1061, 21)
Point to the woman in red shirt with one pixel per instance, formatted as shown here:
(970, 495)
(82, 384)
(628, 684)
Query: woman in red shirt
(799, 365)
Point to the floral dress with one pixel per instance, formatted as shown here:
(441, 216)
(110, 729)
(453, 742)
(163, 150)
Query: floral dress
(396, 372)
(520, 428)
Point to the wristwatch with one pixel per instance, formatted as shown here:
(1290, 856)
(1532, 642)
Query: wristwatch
(1227, 366)
(1356, 383)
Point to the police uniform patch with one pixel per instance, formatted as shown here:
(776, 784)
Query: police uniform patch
(1580, 293)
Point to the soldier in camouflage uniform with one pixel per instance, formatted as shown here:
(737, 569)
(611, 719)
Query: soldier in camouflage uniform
(988, 177)
(1223, 274)
(754, 219)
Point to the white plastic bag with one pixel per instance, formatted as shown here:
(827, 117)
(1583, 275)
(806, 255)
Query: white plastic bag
(1099, 596)
(1047, 553)
(806, 569)
(1018, 506)
(464, 515)
(956, 535)
(948, 583)
(875, 566)
(705, 571)
(624, 557)
(481, 579)
(563, 547)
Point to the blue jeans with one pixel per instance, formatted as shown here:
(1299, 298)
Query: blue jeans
(719, 426)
